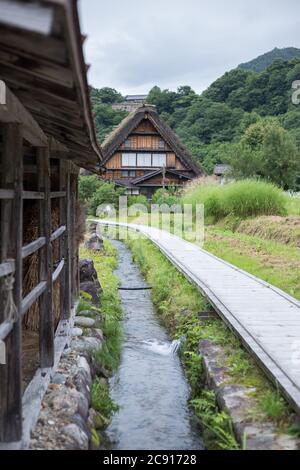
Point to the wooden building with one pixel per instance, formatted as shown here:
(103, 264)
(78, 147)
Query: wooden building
(144, 154)
(46, 135)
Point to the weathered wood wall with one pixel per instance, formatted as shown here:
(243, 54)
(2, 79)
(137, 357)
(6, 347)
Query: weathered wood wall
(15, 189)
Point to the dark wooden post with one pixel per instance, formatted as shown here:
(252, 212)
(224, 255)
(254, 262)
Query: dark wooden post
(76, 247)
(65, 288)
(46, 268)
(11, 372)
(72, 234)
(68, 270)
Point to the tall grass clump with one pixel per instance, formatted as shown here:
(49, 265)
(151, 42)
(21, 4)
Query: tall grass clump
(242, 199)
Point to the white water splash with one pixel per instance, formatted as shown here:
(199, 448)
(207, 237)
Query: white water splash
(165, 349)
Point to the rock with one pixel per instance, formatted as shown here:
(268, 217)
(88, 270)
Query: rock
(94, 243)
(99, 334)
(100, 421)
(84, 322)
(93, 227)
(84, 344)
(87, 271)
(68, 401)
(79, 437)
(58, 379)
(86, 313)
(90, 288)
(81, 384)
(81, 422)
(84, 367)
(77, 332)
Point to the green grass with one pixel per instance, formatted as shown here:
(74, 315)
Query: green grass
(274, 262)
(100, 399)
(293, 203)
(110, 308)
(178, 304)
(274, 405)
(241, 199)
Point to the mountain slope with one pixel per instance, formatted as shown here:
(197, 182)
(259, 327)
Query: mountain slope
(263, 61)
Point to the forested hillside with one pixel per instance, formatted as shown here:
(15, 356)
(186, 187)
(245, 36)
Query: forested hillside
(213, 125)
(265, 60)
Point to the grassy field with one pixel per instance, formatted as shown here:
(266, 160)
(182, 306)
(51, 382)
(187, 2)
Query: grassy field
(274, 262)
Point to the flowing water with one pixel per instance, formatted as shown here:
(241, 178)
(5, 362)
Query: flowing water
(149, 386)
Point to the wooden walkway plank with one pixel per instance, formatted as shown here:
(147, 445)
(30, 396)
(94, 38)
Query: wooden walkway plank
(266, 319)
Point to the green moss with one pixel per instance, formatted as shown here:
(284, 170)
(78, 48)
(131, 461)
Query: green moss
(96, 439)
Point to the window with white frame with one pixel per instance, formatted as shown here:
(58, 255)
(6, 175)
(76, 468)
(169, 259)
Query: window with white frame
(144, 159)
(128, 159)
(159, 159)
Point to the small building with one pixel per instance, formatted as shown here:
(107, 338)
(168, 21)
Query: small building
(221, 171)
(144, 154)
(131, 103)
(46, 135)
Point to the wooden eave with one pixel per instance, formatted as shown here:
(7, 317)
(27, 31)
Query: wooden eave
(47, 73)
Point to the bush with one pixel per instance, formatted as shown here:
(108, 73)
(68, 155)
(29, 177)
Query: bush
(250, 198)
(140, 199)
(241, 199)
(108, 193)
(169, 196)
(88, 185)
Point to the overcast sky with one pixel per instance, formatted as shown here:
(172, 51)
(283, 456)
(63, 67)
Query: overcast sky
(133, 45)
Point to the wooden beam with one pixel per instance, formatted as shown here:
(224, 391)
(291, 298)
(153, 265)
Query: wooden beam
(33, 195)
(14, 111)
(58, 194)
(10, 373)
(6, 268)
(26, 64)
(58, 270)
(34, 44)
(5, 328)
(32, 247)
(65, 246)
(7, 194)
(46, 307)
(33, 295)
(58, 233)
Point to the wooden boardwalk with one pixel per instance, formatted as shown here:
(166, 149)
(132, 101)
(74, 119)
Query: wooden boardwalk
(266, 319)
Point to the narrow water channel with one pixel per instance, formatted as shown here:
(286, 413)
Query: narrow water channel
(149, 386)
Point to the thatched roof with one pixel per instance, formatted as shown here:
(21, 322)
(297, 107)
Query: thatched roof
(42, 63)
(118, 136)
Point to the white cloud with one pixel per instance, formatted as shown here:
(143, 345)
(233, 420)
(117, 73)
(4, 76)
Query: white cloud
(133, 45)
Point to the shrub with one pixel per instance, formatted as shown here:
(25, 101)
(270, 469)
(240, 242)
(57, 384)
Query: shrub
(252, 197)
(140, 199)
(241, 199)
(169, 196)
(88, 185)
(108, 193)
